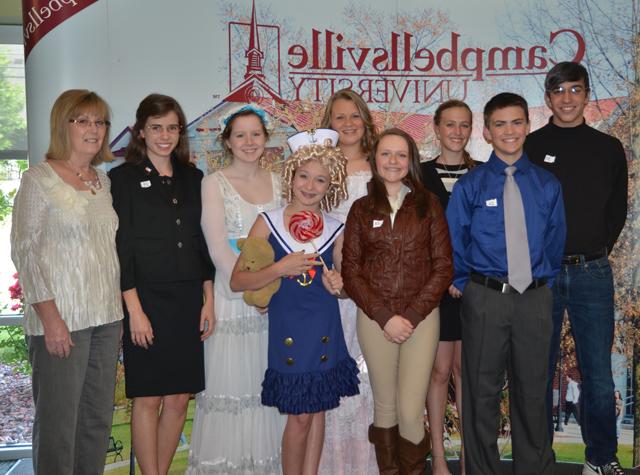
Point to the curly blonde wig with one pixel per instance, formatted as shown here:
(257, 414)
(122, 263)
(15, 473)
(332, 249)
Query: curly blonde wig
(329, 157)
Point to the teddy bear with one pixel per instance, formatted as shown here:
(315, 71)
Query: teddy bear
(257, 254)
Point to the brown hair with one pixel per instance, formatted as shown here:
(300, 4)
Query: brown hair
(502, 101)
(450, 104)
(157, 105)
(377, 189)
(228, 128)
(369, 127)
(329, 157)
(69, 105)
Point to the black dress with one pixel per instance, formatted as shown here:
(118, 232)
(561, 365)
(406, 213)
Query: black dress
(439, 179)
(163, 256)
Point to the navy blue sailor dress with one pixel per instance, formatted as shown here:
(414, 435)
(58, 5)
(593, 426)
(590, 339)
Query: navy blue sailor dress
(309, 367)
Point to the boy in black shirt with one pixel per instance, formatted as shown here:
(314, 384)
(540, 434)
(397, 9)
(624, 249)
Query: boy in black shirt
(592, 168)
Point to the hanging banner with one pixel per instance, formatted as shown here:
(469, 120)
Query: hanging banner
(39, 17)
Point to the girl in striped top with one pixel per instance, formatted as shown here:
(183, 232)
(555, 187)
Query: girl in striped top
(452, 126)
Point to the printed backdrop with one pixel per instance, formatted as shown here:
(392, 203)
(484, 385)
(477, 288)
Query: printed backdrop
(404, 58)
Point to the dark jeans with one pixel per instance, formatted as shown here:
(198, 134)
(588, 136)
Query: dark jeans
(585, 290)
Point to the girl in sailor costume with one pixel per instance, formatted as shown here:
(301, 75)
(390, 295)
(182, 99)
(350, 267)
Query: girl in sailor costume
(309, 366)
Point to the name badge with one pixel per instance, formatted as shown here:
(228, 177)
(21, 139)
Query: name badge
(145, 184)
(377, 223)
(549, 159)
(492, 203)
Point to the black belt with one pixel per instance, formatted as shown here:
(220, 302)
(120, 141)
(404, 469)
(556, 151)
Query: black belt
(574, 259)
(503, 287)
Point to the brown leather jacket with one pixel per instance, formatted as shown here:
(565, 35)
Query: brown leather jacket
(403, 270)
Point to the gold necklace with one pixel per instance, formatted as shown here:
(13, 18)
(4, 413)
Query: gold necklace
(450, 171)
(93, 185)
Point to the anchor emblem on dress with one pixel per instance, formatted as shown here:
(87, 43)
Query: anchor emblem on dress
(306, 278)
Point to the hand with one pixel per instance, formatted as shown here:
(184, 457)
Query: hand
(297, 263)
(141, 330)
(262, 310)
(398, 329)
(332, 281)
(207, 320)
(454, 292)
(57, 338)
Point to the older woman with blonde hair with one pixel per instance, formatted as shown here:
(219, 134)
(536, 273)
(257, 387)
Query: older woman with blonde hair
(63, 246)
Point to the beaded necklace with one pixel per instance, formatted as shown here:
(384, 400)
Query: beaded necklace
(93, 185)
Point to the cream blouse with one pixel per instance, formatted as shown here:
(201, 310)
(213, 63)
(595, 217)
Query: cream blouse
(63, 246)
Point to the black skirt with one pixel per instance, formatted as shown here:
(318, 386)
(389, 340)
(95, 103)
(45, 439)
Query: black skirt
(174, 364)
(450, 323)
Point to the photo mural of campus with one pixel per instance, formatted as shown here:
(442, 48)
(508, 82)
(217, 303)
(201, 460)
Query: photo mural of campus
(404, 66)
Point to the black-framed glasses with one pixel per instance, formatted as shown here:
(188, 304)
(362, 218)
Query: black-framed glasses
(85, 123)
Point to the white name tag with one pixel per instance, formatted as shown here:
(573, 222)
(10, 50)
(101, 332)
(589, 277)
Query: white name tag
(549, 159)
(145, 184)
(492, 203)
(377, 223)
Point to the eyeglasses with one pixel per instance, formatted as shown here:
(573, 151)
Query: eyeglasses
(85, 123)
(560, 91)
(156, 129)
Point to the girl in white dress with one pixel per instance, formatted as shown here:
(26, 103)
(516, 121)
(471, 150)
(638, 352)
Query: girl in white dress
(346, 448)
(232, 432)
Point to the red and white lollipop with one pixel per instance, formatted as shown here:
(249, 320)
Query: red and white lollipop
(305, 226)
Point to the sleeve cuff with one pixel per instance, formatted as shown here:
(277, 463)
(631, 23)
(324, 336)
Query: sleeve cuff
(381, 316)
(461, 283)
(413, 316)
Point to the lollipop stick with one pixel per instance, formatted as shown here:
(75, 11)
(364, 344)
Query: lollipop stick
(324, 264)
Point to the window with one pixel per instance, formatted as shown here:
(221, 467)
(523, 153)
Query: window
(15, 428)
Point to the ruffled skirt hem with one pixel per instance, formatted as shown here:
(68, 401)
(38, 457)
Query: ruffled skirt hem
(311, 392)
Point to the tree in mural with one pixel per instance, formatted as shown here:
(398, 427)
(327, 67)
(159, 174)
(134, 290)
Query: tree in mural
(374, 27)
(612, 32)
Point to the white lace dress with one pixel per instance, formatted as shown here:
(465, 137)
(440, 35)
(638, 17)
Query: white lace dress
(232, 432)
(346, 445)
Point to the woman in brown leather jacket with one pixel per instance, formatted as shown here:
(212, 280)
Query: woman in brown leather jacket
(396, 266)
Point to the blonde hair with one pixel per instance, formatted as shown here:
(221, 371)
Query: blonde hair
(69, 105)
(369, 127)
(331, 158)
(437, 117)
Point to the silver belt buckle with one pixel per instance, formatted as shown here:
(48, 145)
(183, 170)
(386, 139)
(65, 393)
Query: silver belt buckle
(506, 288)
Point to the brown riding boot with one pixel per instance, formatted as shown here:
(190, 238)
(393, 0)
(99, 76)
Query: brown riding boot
(413, 457)
(385, 442)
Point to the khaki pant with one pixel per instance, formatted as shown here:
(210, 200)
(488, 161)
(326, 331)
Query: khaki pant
(400, 373)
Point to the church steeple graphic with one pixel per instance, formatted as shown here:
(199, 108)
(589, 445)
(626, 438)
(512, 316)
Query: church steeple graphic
(254, 54)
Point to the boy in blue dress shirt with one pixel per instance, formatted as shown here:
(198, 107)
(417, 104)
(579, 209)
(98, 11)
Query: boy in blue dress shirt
(506, 253)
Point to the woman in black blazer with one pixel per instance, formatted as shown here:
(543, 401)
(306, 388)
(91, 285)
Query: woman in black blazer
(166, 278)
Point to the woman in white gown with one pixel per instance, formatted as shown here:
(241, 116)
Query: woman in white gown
(346, 447)
(232, 432)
